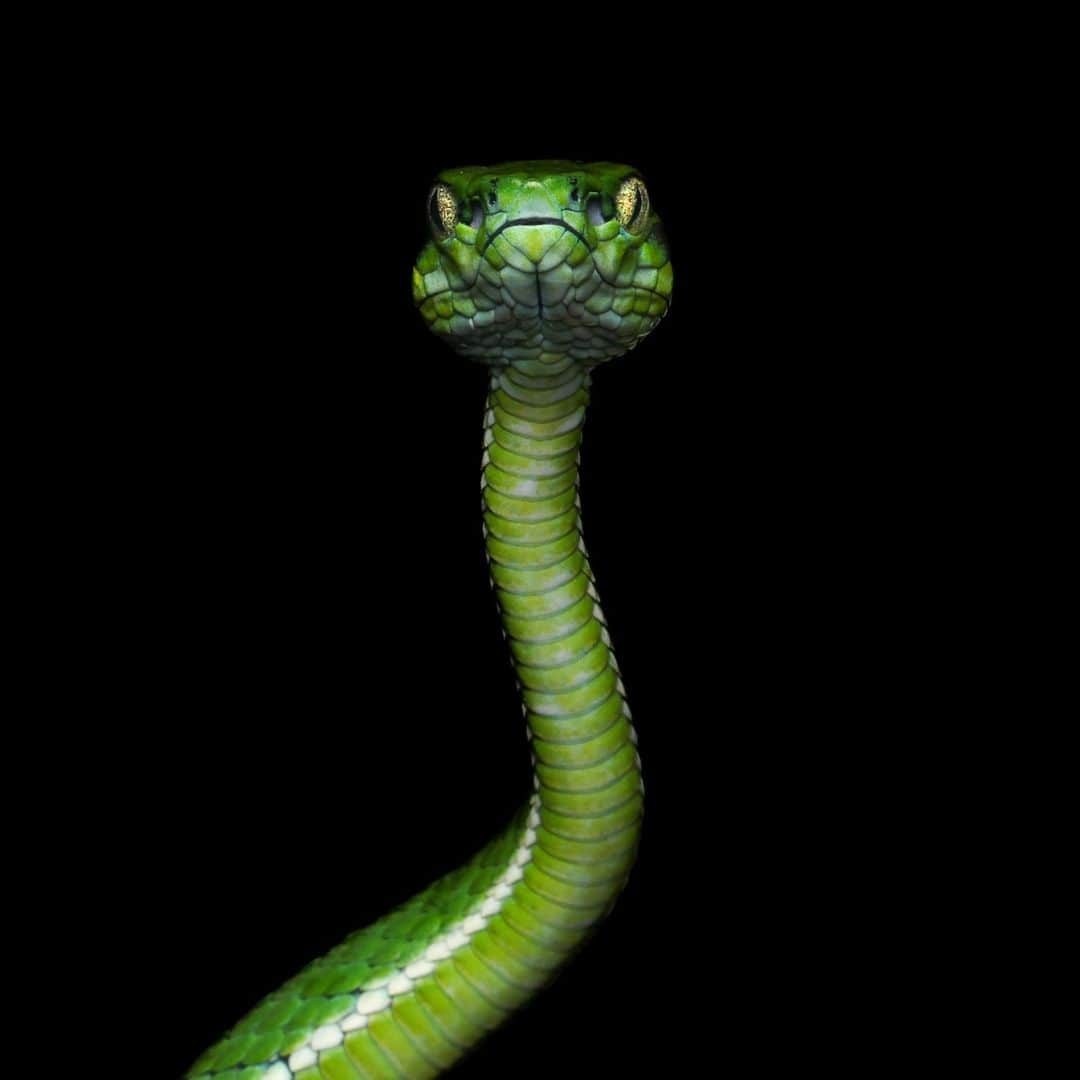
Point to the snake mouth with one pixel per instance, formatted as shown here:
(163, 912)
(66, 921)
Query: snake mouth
(535, 221)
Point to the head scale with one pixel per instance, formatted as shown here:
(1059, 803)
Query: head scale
(540, 260)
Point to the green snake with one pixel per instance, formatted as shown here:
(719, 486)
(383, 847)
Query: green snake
(541, 270)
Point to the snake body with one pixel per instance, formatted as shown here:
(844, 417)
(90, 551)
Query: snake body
(541, 270)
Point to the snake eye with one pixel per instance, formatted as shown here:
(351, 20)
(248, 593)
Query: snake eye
(632, 204)
(443, 209)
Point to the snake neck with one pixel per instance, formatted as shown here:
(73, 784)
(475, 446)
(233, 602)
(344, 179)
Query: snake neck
(408, 996)
(586, 768)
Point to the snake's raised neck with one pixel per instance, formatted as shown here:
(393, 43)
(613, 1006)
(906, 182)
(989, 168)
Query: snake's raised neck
(541, 270)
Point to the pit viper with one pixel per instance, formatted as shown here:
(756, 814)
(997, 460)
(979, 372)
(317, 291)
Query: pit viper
(541, 271)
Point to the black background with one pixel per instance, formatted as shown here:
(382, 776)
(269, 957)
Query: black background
(301, 619)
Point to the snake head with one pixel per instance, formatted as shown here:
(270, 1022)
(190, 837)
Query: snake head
(540, 260)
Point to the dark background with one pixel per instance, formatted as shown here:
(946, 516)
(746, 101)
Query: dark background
(301, 621)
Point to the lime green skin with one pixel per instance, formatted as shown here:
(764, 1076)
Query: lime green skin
(542, 303)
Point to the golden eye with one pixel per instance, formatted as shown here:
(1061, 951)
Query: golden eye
(443, 209)
(632, 204)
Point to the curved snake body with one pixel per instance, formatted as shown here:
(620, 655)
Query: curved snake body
(541, 270)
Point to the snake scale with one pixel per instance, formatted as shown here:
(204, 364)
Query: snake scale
(541, 271)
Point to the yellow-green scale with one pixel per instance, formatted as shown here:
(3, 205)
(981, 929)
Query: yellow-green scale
(587, 770)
